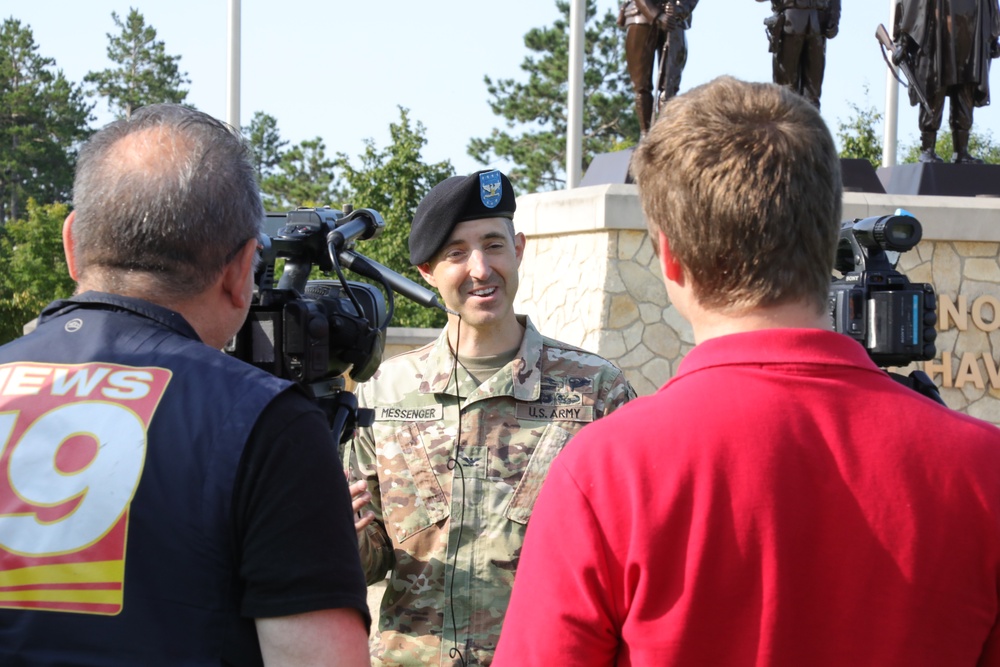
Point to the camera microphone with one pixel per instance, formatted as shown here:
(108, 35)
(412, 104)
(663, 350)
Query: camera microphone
(369, 268)
(361, 224)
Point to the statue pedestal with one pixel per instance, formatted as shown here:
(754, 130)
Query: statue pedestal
(942, 179)
(859, 176)
(612, 168)
(608, 168)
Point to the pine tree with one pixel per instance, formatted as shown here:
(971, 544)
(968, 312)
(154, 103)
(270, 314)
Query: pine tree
(392, 181)
(303, 176)
(43, 118)
(535, 111)
(265, 139)
(143, 72)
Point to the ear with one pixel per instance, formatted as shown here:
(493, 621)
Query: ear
(519, 247)
(425, 273)
(237, 274)
(68, 245)
(672, 269)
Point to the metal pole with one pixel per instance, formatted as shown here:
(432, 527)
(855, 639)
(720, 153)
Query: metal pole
(891, 117)
(233, 71)
(574, 118)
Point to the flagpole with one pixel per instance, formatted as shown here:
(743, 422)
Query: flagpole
(891, 116)
(574, 119)
(233, 70)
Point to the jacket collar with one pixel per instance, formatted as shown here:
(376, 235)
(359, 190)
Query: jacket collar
(108, 301)
(521, 378)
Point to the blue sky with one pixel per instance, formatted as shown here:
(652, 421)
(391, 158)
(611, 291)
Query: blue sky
(339, 69)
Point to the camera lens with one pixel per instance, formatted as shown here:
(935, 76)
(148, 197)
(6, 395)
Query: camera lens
(896, 233)
(901, 233)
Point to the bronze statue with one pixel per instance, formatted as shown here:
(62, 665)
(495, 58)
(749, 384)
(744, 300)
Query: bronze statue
(655, 31)
(947, 46)
(797, 32)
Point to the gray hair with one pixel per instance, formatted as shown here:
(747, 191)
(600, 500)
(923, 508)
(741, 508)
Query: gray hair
(170, 193)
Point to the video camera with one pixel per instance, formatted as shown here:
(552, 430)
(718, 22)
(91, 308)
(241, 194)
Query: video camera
(315, 331)
(877, 305)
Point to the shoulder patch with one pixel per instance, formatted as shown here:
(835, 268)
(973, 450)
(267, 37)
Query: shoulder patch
(394, 413)
(571, 386)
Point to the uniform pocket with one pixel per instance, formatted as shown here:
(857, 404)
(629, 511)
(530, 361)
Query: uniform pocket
(412, 498)
(551, 442)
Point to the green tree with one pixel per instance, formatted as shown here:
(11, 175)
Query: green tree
(143, 72)
(535, 110)
(392, 181)
(981, 145)
(304, 176)
(35, 270)
(858, 138)
(43, 117)
(265, 140)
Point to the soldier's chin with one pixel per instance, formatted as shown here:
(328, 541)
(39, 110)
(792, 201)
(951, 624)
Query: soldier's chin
(479, 316)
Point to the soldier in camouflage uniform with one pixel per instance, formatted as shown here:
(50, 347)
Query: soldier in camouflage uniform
(461, 443)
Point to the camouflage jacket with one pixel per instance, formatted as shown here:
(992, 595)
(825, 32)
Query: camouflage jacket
(452, 496)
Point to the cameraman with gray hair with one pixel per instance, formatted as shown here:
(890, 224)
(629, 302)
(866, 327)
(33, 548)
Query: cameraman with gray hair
(164, 503)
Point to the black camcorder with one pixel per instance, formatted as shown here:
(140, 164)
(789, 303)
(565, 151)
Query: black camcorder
(308, 331)
(316, 331)
(873, 302)
(877, 305)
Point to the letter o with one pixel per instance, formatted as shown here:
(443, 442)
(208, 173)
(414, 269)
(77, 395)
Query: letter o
(977, 313)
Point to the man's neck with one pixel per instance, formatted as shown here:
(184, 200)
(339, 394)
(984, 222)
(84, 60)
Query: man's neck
(203, 315)
(708, 324)
(484, 341)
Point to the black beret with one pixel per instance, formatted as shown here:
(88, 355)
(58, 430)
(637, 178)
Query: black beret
(484, 194)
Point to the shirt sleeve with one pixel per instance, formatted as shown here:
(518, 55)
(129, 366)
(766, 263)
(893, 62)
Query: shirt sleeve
(617, 393)
(292, 515)
(377, 555)
(563, 601)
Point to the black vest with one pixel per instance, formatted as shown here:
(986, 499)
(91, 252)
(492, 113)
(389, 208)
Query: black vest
(147, 412)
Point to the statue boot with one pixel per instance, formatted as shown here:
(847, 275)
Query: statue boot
(644, 112)
(928, 140)
(960, 138)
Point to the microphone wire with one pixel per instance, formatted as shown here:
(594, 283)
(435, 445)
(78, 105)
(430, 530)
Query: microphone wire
(453, 464)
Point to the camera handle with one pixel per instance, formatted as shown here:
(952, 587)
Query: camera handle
(919, 382)
(341, 408)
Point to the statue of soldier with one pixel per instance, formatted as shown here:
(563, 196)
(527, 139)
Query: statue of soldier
(797, 32)
(654, 31)
(949, 45)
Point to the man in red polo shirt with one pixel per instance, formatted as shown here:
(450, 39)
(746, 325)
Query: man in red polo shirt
(781, 500)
